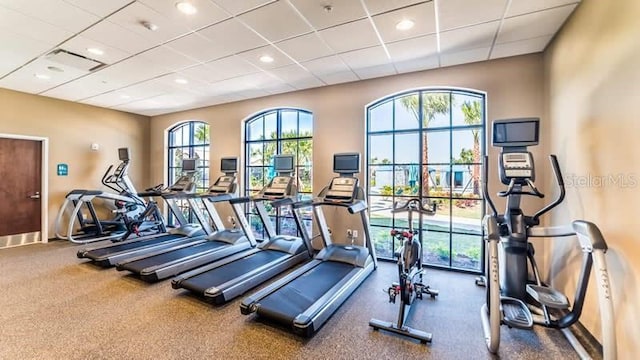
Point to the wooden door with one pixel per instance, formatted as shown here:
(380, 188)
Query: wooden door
(20, 186)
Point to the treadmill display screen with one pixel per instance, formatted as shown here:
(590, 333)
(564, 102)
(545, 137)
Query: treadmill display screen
(346, 163)
(517, 132)
(188, 164)
(283, 163)
(229, 165)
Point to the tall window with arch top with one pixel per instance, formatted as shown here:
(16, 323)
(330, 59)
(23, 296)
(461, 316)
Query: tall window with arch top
(278, 131)
(185, 141)
(429, 144)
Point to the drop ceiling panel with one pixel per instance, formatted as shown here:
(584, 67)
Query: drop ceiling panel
(207, 13)
(236, 7)
(118, 37)
(520, 47)
(459, 13)
(293, 74)
(419, 64)
(198, 47)
(168, 58)
(341, 11)
(79, 45)
(229, 67)
(25, 80)
(278, 88)
(143, 90)
(20, 24)
(423, 16)
(243, 39)
(464, 56)
(132, 16)
(276, 21)
(326, 65)
(305, 47)
(339, 77)
(520, 7)
(253, 56)
(132, 70)
(375, 71)
(17, 50)
(356, 35)
(100, 8)
(413, 48)
(534, 25)
(379, 6)
(168, 82)
(55, 12)
(470, 37)
(85, 87)
(110, 99)
(364, 58)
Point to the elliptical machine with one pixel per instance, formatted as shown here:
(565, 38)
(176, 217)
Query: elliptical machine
(513, 299)
(410, 271)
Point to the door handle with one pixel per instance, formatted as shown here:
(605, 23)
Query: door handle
(35, 196)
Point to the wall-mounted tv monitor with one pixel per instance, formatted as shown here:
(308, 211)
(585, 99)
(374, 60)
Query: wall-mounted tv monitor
(346, 163)
(516, 132)
(189, 164)
(283, 163)
(229, 165)
(123, 154)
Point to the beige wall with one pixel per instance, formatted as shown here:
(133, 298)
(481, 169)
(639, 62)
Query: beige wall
(71, 128)
(514, 88)
(593, 84)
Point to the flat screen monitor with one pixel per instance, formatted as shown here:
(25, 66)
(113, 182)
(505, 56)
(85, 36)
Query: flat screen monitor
(123, 154)
(189, 165)
(283, 163)
(346, 163)
(229, 164)
(516, 132)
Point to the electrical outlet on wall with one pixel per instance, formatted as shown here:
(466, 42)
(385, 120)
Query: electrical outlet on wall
(349, 233)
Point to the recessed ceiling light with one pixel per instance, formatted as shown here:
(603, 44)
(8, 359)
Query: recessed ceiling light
(266, 59)
(95, 51)
(186, 7)
(181, 81)
(42, 76)
(405, 24)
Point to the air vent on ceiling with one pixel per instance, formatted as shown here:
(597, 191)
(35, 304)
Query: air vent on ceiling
(75, 61)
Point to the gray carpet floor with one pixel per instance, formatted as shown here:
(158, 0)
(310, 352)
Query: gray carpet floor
(55, 306)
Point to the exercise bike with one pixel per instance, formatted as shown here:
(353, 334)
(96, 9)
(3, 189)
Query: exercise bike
(513, 298)
(410, 271)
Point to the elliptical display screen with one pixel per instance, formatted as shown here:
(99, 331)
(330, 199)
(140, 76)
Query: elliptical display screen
(123, 154)
(516, 132)
(229, 165)
(346, 163)
(283, 163)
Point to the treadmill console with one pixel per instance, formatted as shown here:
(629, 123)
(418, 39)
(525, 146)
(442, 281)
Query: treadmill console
(516, 165)
(342, 189)
(224, 185)
(185, 183)
(278, 188)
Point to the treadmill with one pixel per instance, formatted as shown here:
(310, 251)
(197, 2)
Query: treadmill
(165, 263)
(230, 277)
(109, 255)
(306, 298)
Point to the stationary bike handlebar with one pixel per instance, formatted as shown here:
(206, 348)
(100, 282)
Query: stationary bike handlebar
(534, 191)
(414, 204)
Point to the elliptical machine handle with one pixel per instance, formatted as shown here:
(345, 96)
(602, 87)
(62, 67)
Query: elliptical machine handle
(485, 187)
(534, 190)
(558, 175)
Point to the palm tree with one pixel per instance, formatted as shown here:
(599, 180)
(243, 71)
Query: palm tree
(202, 133)
(472, 111)
(432, 105)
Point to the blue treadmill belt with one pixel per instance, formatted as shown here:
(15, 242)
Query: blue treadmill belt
(291, 300)
(215, 277)
(99, 252)
(139, 265)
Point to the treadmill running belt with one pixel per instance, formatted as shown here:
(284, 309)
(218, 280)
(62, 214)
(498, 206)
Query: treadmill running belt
(215, 277)
(130, 245)
(139, 265)
(297, 296)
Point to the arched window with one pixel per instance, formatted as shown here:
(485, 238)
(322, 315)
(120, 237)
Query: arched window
(278, 131)
(188, 140)
(429, 144)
